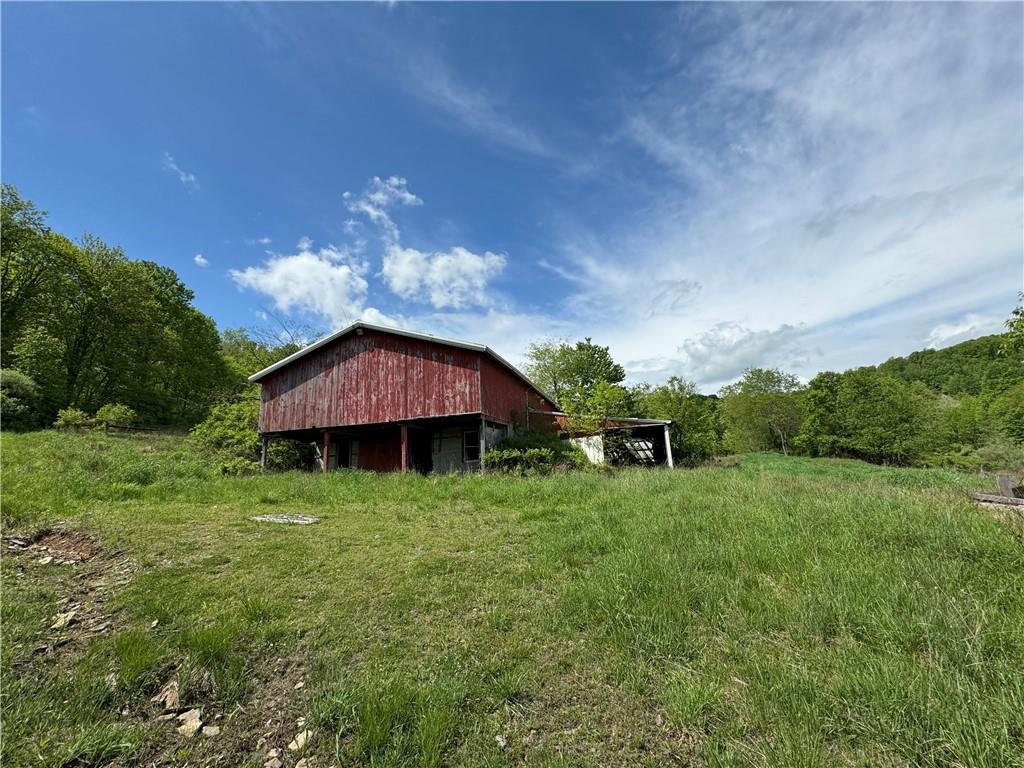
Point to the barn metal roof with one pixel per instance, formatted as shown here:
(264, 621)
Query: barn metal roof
(628, 420)
(359, 324)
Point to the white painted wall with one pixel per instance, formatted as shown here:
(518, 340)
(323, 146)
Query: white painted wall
(592, 446)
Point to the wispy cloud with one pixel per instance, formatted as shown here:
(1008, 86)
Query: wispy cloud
(829, 168)
(377, 198)
(188, 180)
(200, 260)
(472, 107)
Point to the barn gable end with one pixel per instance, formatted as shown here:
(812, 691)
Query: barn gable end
(370, 377)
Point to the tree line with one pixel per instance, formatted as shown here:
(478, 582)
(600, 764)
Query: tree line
(961, 406)
(85, 328)
(89, 334)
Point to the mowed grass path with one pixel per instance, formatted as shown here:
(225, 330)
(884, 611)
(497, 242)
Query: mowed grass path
(784, 612)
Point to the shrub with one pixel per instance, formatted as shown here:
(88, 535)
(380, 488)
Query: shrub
(238, 466)
(19, 400)
(534, 453)
(1001, 453)
(952, 460)
(116, 413)
(231, 433)
(71, 418)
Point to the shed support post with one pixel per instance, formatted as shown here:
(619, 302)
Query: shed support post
(263, 453)
(327, 450)
(668, 449)
(405, 448)
(483, 441)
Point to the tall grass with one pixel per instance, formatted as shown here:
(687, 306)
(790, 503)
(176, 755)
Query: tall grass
(783, 612)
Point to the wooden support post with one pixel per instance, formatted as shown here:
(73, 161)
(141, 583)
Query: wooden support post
(327, 450)
(668, 449)
(405, 448)
(263, 454)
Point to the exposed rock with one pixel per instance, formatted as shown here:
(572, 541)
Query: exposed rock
(168, 696)
(300, 740)
(190, 722)
(211, 730)
(61, 620)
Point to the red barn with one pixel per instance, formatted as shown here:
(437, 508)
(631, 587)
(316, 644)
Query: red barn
(380, 398)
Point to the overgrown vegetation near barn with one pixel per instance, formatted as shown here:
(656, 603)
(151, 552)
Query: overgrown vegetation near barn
(781, 611)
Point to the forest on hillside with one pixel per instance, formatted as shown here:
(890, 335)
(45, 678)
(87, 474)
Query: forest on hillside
(91, 336)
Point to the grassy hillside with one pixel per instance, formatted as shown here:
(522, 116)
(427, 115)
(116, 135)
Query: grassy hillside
(779, 612)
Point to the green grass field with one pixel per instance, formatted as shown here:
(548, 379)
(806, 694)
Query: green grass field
(783, 612)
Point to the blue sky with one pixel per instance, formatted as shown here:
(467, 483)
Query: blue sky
(703, 188)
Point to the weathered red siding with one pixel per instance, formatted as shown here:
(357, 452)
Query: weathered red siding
(371, 378)
(506, 397)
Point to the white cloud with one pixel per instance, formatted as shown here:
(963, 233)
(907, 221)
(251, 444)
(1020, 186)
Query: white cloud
(727, 349)
(327, 282)
(332, 282)
(967, 327)
(188, 180)
(454, 278)
(375, 200)
(200, 260)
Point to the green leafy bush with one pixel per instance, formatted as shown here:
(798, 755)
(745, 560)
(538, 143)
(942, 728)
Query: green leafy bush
(19, 400)
(965, 462)
(1001, 453)
(231, 433)
(534, 453)
(116, 413)
(71, 418)
(238, 466)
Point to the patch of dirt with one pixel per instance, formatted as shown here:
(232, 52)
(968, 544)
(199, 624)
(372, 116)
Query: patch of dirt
(260, 729)
(66, 546)
(270, 717)
(98, 573)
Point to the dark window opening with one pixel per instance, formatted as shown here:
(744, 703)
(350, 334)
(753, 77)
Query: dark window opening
(471, 445)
